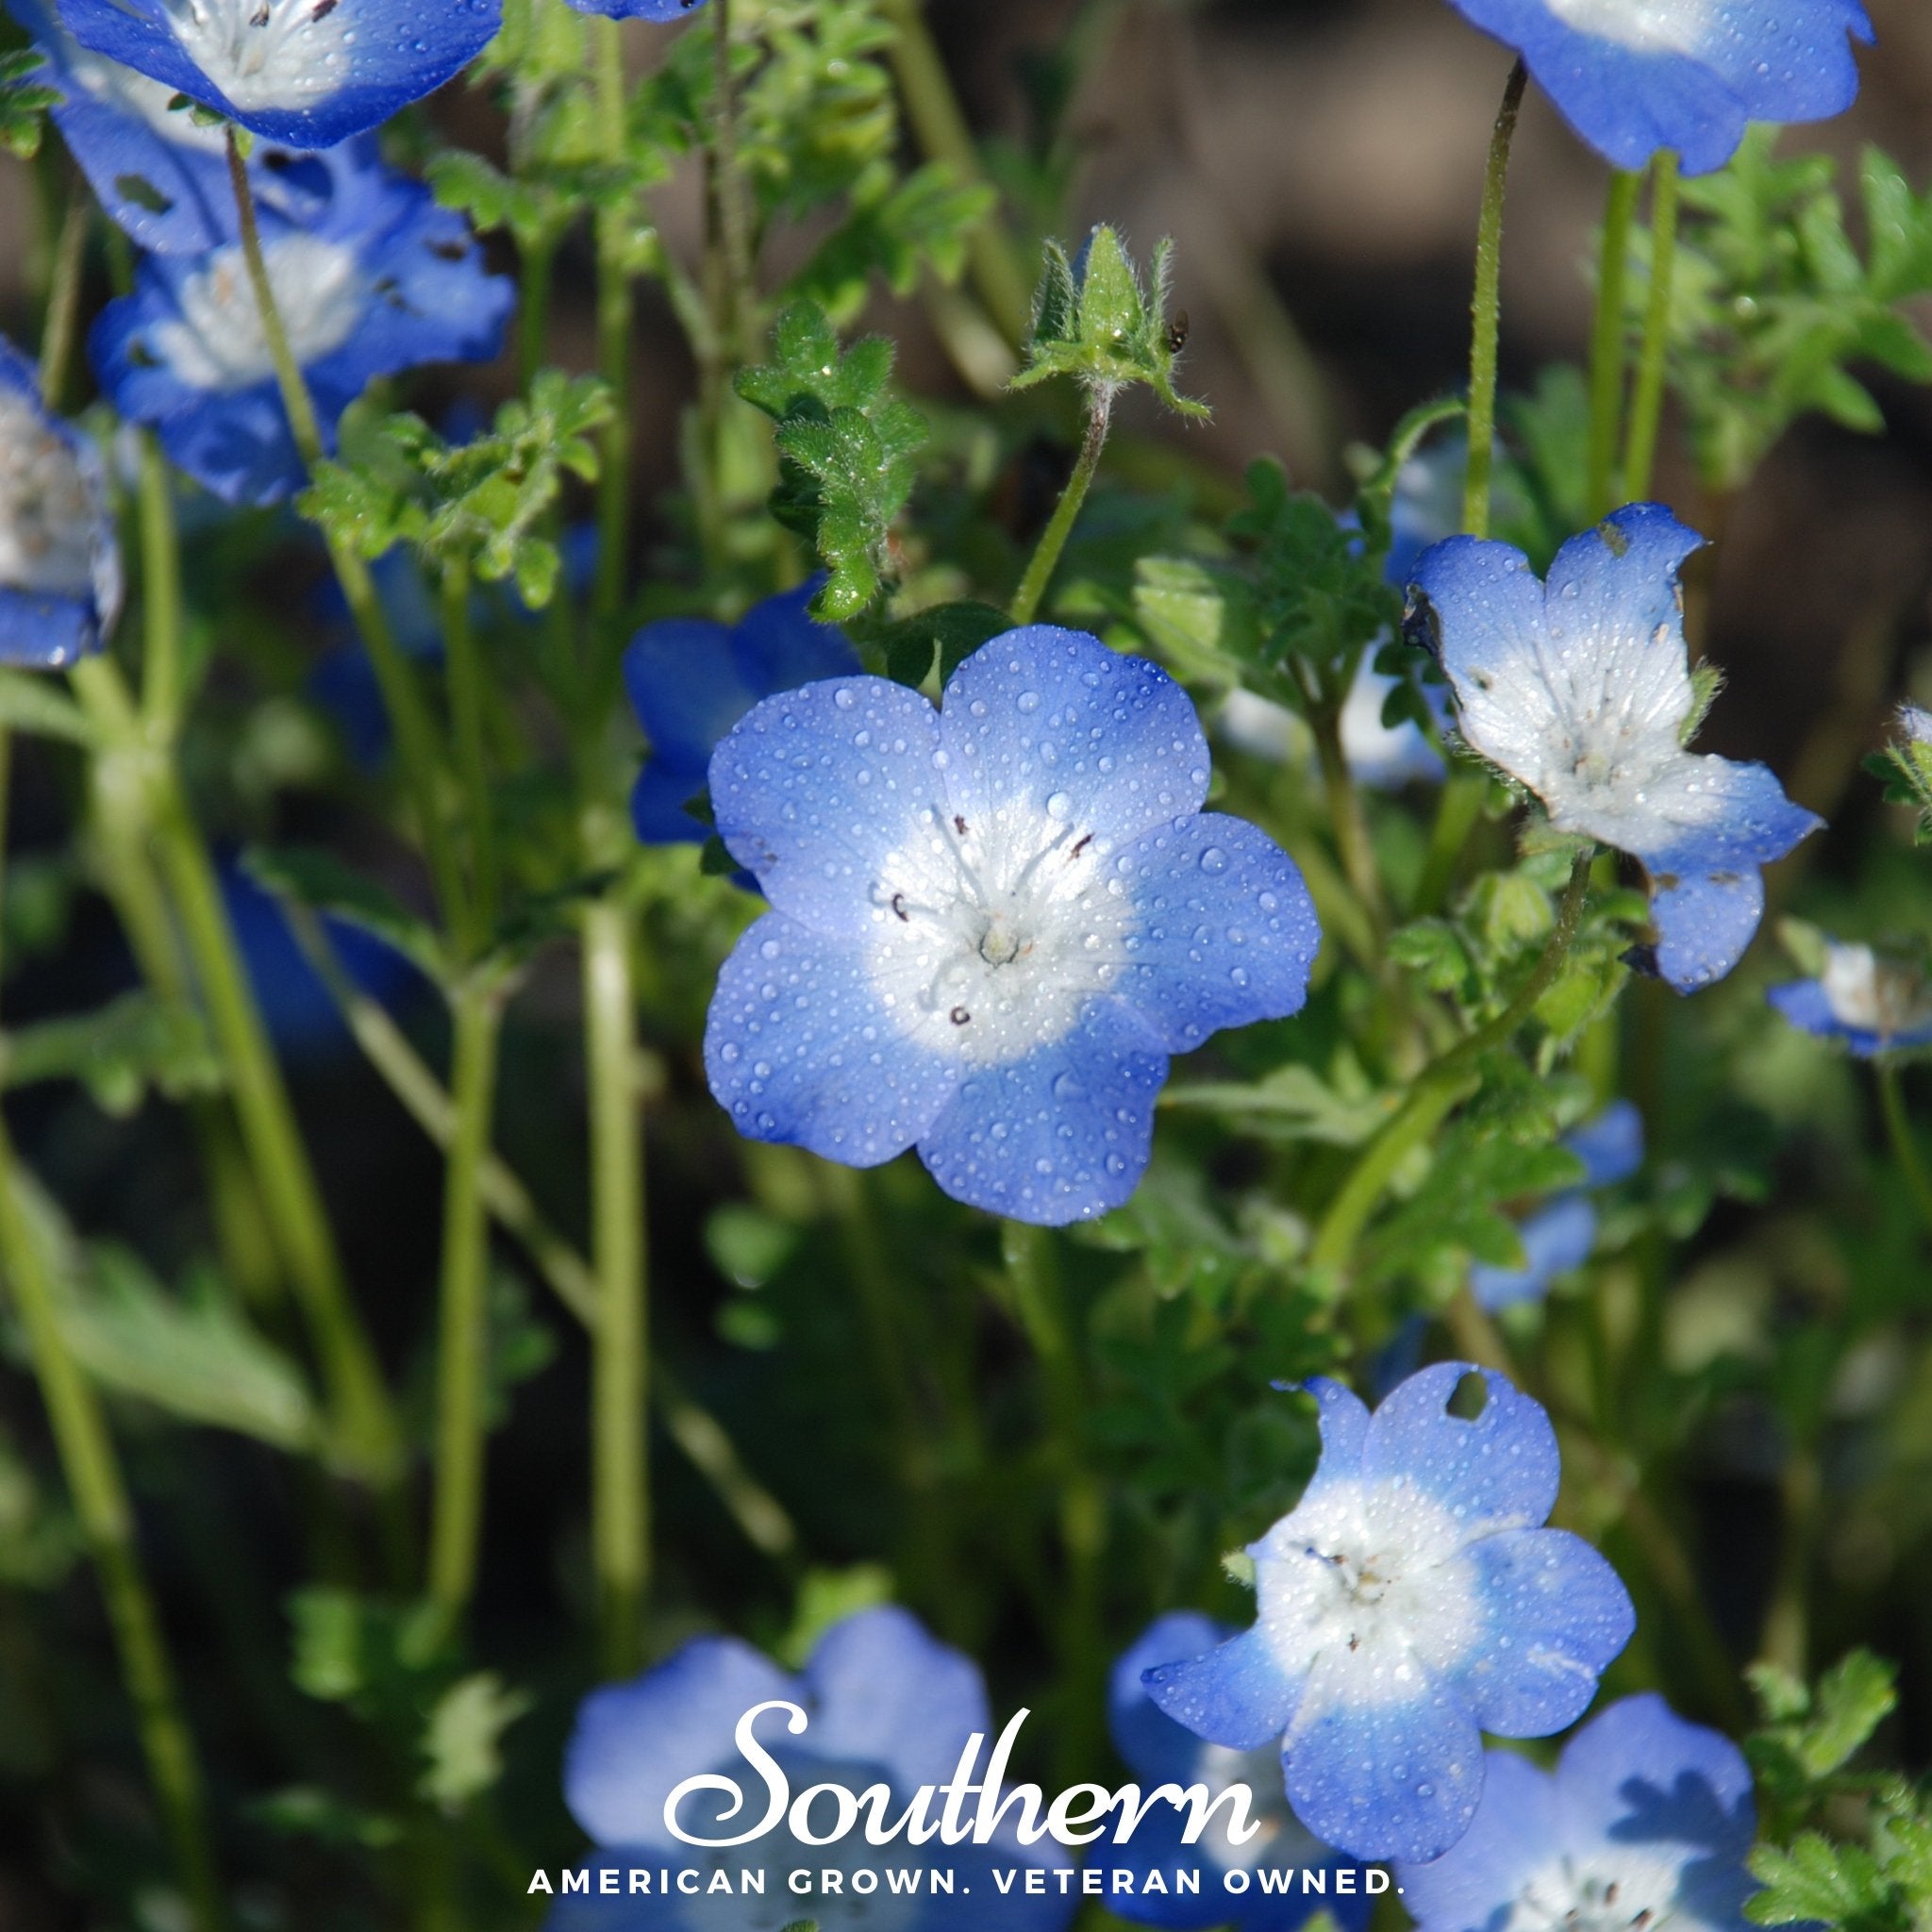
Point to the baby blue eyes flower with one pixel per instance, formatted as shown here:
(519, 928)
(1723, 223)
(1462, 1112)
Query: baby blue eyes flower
(1581, 691)
(1410, 1600)
(306, 73)
(382, 281)
(59, 558)
(1159, 1752)
(1645, 1823)
(1874, 1006)
(990, 925)
(639, 9)
(1634, 76)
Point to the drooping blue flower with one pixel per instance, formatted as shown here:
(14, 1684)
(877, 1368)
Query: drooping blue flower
(1636, 76)
(692, 680)
(639, 9)
(306, 73)
(1159, 1752)
(1872, 1005)
(885, 1704)
(1645, 1821)
(1410, 1600)
(383, 281)
(1582, 692)
(991, 926)
(1561, 1235)
(59, 558)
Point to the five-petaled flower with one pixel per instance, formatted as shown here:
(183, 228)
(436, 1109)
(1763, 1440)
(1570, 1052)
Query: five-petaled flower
(1635, 77)
(1159, 1752)
(1871, 1004)
(1643, 1825)
(1581, 691)
(990, 925)
(1411, 1599)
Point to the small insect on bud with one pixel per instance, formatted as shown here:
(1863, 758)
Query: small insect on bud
(1178, 333)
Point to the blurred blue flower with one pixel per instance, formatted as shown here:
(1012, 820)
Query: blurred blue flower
(1645, 1821)
(1873, 1006)
(59, 558)
(1410, 1599)
(1635, 77)
(1561, 1235)
(383, 281)
(886, 1704)
(993, 925)
(1159, 1752)
(1583, 694)
(309, 72)
(639, 9)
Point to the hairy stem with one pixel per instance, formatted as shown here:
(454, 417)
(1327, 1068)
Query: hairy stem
(1647, 398)
(1607, 342)
(1046, 556)
(1486, 311)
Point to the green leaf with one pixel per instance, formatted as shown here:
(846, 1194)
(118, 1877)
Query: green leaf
(462, 1740)
(1816, 1879)
(1293, 1103)
(38, 705)
(948, 633)
(23, 103)
(121, 1052)
(318, 881)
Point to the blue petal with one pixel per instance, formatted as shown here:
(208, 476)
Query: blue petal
(1473, 1886)
(813, 789)
(686, 687)
(659, 803)
(776, 645)
(1344, 1418)
(1156, 1749)
(1639, 1775)
(634, 1744)
(1557, 1615)
(1156, 1846)
(639, 9)
(1620, 578)
(1228, 932)
(1498, 1471)
(1043, 713)
(1238, 1694)
(1060, 1136)
(800, 1049)
(890, 1695)
(1803, 1003)
(1610, 1146)
(1554, 1240)
(43, 632)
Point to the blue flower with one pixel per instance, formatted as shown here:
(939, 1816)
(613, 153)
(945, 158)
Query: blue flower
(1583, 693)
(309, 72)
(639, 9)
(991, 927)
(1647, 1822)
(1159, 1752)
(59, 560)
(1409, 1598)
(1634, 76)
(692, 680)
(884, 1705)
(1560, 1237)
(1872, 1005)
(384, 280)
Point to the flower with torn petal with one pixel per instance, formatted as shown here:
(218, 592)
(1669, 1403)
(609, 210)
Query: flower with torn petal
(990, 925)
(383, 281)
(59, 558)
(1636, 76)
(306, 73)
(1644, 1823)
(1873, 1004)
(1410, 1600)
(1161, 1753)
(884, 1705)
(1582, 692)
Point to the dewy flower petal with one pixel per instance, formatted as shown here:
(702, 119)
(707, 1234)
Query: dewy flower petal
(1411, 1596)
(660, 10)
(994, 924)
(1635, 77)
(1582, 692)
(1872, 1006)
(308, 73)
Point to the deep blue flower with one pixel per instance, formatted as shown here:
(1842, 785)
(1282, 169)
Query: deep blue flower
(383, 281)
(884, 1705)
(308, 73)
(1872, 1005)
(991, 926)
(1410, 1599)
(692, 680)
(1561, 1235)
(1159, 1752)
(639, 9)
(1647, 1822)
(59, 560)
(1583, 694)
(1634, 76)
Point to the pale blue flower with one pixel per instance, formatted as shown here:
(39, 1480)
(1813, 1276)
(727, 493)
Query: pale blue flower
(1871, 1005)
(658, 10)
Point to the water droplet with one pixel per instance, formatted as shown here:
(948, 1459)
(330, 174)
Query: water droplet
(1059, 805)
(1214, 859)
(1029, 701)
(844, 698)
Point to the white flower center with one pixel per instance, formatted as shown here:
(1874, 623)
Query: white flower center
(1873, 994)
(1648, 27)
(1612, 1891)
(48, 517)
(120, 87)
(218, 342)
(267, 53)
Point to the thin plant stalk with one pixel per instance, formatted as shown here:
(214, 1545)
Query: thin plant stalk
(1905, 1147)
(468, 694)
(62, 322)
(1486, 311)
(1046, 556)
(615, 319)
(1653, 365)
(1606, 341)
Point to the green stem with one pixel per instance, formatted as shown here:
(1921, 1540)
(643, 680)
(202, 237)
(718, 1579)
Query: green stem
(1647, 399)
(1785, 1639)
(734, 212)
(533, 311)
(1898, 1130)
(463, 1349)
(1457, 812)
(615, 308)
(1352, 841)
(1607, 342)
(60, 325)
(1033, 586)
(1486, 311)
(469, 692)
(298, 403)
(161, 592)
